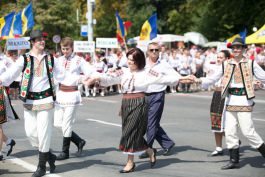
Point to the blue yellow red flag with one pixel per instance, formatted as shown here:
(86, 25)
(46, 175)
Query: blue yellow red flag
(149, 28)
(127, 25)
(5, 24)
(242, 35)
(27, 18)
(16, 29)
(120, 25)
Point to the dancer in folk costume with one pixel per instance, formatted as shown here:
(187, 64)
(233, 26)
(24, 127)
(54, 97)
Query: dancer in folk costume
(237, 87)
(217, 108)
(68, 97)
(38, 94)
(134, 109)
(6, 112)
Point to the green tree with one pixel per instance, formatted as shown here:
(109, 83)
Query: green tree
(216, 19)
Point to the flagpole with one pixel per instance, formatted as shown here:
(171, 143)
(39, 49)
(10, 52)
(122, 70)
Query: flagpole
(126, 48)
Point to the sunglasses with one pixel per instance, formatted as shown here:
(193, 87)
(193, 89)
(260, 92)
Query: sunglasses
(154, 50)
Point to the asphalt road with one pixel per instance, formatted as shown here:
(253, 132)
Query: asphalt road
(185, 119)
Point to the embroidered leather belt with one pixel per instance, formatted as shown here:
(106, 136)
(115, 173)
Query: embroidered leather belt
(237, 91)
(133, 95)
(153, 93)
(65, 88)
(40, 95)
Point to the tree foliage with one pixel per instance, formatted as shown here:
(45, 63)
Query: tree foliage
(216, 19)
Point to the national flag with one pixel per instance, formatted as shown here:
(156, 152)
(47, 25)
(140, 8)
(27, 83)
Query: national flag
(120, 25)
(149, 28)
(27, 18)
(16, 29)
(242, 35)
(127, 25)
(5, 24)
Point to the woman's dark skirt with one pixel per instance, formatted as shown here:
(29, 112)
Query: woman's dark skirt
(3, 117)
(134, 125)
(216, 112)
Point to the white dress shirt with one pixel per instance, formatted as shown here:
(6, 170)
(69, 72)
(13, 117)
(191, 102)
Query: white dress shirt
(139, 81)
(72, 67)
(162, 67)
(40, 82)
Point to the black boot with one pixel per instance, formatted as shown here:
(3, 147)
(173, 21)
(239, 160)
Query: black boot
(65, 150)
(51, 162)
(234, 160)
(41, 169)
(80, 143)
(261, 149)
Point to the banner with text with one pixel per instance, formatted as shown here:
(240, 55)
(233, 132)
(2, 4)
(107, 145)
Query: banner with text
(84, 46)
(107, 43)
(17, 44)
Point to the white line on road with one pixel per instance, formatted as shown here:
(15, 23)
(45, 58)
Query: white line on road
(209, 97)
(118, 125)
(27, 165)
(101, 100)
(260, 120)
(103, 122)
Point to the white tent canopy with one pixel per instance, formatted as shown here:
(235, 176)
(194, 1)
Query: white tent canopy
(213, 44)
(195, 38)
(159, 38)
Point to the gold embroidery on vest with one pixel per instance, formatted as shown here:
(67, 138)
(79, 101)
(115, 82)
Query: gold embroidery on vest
(237, 76)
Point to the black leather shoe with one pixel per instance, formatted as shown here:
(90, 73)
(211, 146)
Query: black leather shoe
(11, 145)
(1, 157)
(80, 147)
(128, 171)
(168, 151)
(152, 164)
(230, 165)
(143, 155)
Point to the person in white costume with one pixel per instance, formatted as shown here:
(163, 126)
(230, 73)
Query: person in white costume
(6, 111)
(237, 86)
(68, 97)
(134, 82)
(39, 70)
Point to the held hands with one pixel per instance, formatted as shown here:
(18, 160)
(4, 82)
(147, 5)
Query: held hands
(186, 80)
(190, 79)
(258, 84)
(91, 80)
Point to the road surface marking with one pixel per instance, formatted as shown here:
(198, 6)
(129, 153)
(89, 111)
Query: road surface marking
(103, 122)
(209, 97)
(260, 120)
(27, 165)
(101, 100)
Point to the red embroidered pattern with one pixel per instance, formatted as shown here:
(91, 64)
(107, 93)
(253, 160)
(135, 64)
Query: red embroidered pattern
(239, 108)
(38, 68)
(237, 75)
